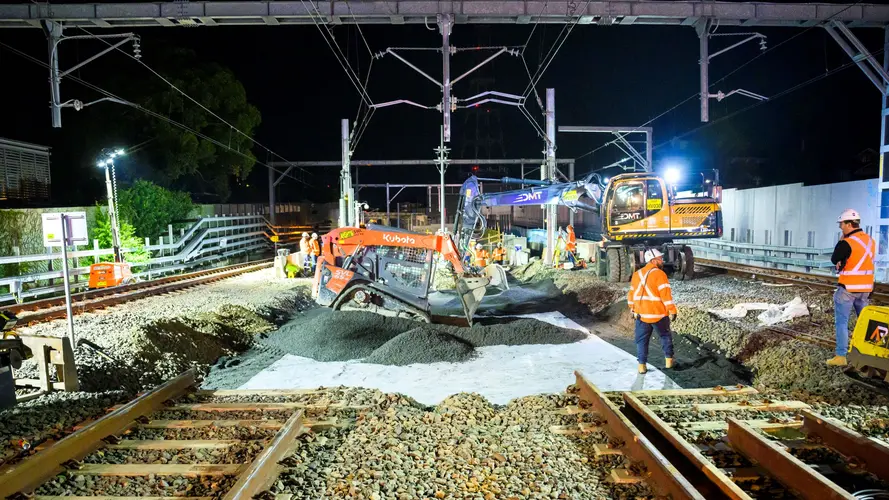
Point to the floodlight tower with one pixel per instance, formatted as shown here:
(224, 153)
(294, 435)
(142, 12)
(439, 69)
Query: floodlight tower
(106, 161)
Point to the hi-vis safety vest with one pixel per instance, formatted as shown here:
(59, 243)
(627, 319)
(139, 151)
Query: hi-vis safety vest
(499, 254)
(481, 258)
(650, 295)
(315, 247)
(571, 246)
(304, 246)
(858, 274)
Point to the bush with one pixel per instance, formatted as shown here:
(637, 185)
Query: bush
(101, 231)
(150, 208)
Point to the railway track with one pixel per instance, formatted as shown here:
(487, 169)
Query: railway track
(49, 309)
(174, 441)
(735, 443)
(179, 442)
(881, 290)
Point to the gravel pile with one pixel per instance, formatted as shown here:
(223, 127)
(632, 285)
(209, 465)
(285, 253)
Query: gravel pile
(240, 453)
(73, 484)
(870, 420)
(463, 448)
(326, 335)
(154, 339)
(49, 417)
(421, 345)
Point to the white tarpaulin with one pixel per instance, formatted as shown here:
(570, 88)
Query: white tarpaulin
(771, 313)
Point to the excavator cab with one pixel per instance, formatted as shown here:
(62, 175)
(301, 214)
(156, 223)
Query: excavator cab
(388, 271)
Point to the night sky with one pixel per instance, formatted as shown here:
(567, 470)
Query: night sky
(620, 75)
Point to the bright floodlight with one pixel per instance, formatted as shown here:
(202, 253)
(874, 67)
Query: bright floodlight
(119, 152)
(100, 164)
(671, 175)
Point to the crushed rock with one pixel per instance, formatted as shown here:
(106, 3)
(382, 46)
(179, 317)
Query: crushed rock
(421, 345)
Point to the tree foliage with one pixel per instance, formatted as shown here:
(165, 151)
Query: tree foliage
(149, 208)
(101, 231)
(201, 158)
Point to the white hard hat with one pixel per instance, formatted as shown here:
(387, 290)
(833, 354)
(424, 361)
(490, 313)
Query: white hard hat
(478, 245)
(305, 234)
(652, 254)
(314, 235)
(849, 214)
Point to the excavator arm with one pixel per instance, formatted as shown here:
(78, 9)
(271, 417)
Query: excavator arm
(585, 194)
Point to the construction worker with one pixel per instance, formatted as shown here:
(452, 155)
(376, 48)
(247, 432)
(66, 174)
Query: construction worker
(853, 257)
(481, 255)
(499, 254)
(304, 244)
(651, 302)
(314, 250)
(571, 244)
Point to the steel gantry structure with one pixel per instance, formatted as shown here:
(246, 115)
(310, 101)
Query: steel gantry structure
(703, 16)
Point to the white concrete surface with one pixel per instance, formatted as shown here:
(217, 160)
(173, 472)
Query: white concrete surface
(499, 373)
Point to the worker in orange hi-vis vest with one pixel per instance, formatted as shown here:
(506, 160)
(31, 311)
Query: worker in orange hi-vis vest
(314, 249)
(571, 245)
(481, 255)
(853, 257)
(651, 302)
(499, 254)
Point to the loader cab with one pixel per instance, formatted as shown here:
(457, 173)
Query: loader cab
(634, 200)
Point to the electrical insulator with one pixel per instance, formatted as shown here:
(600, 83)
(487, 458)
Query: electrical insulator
(137, 49)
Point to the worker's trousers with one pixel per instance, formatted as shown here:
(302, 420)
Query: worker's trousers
(843, 303)
(643, 336)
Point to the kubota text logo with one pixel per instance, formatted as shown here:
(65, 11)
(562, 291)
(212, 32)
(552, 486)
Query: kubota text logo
(528, 197)
(394, 238)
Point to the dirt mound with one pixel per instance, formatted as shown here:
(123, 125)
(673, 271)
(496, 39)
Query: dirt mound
(326, 335)
(421, 345)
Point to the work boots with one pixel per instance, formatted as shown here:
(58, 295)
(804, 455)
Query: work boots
(668, 363)
(837, 361)
(643, 369)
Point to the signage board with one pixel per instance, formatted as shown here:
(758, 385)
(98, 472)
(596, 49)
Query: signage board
(76, 229)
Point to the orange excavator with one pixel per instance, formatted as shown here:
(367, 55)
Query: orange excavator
(388, 271)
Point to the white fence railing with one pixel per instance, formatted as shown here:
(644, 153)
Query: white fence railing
(209, 239)
(803, 259)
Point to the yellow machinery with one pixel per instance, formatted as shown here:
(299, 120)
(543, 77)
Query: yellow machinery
(869, 350)
(638, 211)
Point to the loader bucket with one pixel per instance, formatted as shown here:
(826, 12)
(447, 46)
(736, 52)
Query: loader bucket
(497, 276)
(471, 291)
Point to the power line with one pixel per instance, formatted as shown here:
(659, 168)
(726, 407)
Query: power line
(773, 98)
(730, 73)
(149, 112)
(184, 94)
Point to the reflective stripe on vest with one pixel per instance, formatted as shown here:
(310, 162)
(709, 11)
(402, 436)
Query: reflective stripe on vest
(637, 294)
(858, 274)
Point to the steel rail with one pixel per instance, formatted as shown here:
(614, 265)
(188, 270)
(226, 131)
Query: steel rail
(784, 276)
(717, 477)
(786, 468)
(53, 308)
(37, 469)
(662, 475)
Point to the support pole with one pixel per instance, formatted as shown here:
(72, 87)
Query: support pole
(445, 22)
(551, 210)
(884, 148)
(67, 280)
(272, 197)
(442, 162)
(703, 29)
(112, 215)
(571, 178)
(388, 200)
(348, 208)
(54, 36)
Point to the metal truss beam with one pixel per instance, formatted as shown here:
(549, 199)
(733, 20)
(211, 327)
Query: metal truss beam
(286, 12)
(430, 162)
(620, 136)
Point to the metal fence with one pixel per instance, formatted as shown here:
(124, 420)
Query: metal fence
(804, 259)
(206, 241)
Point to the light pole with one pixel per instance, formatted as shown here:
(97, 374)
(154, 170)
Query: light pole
(106, 160)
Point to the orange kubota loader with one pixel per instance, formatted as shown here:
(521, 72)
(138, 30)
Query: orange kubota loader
(388, 271)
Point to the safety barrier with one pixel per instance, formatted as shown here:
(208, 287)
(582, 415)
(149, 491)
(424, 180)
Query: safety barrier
(810, 260)
(207, 240)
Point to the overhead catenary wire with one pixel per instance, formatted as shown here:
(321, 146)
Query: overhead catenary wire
(779, 95)
(190, 98)
(147, 111)
(724, 77)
